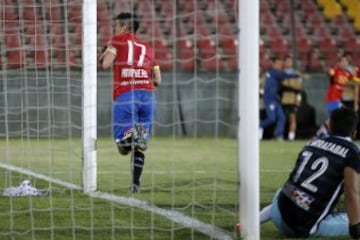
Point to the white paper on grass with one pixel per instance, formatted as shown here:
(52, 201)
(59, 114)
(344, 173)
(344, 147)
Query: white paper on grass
(24, 189)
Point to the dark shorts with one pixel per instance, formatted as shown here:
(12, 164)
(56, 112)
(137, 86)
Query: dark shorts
(290, 109)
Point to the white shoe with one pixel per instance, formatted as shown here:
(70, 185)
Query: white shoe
(291, 136)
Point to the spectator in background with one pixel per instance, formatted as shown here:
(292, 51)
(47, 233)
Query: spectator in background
(272, 101)
(324, 170)
(350, 96)
(291, 96)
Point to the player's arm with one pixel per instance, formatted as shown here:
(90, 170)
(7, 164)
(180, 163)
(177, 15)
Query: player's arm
(351, 192)
(108, 57)
(156, 75)
(355, 79)
(356, 98)
(284, 75)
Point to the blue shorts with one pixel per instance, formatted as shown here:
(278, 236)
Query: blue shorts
(331, 106)
(130, 108)
(333, 225)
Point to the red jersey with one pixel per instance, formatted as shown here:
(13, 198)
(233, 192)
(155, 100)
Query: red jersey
(338, 78)
(133, 64)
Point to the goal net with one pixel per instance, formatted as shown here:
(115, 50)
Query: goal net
(189, 188)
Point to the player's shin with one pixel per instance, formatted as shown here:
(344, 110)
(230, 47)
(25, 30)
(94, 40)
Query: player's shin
(137, 168)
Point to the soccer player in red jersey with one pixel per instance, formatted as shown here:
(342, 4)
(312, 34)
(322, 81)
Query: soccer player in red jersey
(135, 73)
(339, 76)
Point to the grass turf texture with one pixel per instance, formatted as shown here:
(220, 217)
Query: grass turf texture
(197, 177)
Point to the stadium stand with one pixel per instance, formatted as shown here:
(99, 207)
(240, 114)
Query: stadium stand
(205, 34)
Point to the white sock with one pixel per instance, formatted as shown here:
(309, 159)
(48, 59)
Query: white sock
(265, 214)
(323, 131)
(291, 136)
(261, 132)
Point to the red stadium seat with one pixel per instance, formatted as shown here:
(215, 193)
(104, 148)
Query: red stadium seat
(53, 12)
(74, 10)
(313, 21)
(213, 64)
(121, 6)
(104, 33)
(103, 15)
(346, 32)
(164, 59)
(331, 60)
(229, 45)
(267, 19)
(273, 32)
(283, 9)
(233, 63)
(312, 62)
(320, 33)
(265, 63)
(14, 52)
(206, 47)
(351, 44)
(188, 6)
(39, 53)
(64, 58)
(279, 47)
(264, 7)
(30, 14)
(304, 47)
(327, 47)
(188, 65)
(308, 7)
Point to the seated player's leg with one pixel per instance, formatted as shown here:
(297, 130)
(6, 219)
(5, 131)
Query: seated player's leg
(265, 214)
(334, 225)
(277, 218)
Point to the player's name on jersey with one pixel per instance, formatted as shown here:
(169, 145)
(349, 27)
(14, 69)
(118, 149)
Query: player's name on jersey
(134, 73)
(330, 147)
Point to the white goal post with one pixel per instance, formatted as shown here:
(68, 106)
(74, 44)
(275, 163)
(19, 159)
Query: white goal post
(249, 119)
(89, 79)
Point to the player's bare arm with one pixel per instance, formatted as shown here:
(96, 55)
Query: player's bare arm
(156, 76)
(351, 192)
(108, 57)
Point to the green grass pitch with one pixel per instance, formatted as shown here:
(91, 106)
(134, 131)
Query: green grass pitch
(195, 176)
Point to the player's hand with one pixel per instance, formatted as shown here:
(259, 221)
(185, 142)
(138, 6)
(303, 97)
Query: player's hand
(101, 58)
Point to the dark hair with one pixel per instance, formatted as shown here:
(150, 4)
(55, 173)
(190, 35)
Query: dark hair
(273, 59)
(130, 20)
(347, 53)
(343, 122)
(286, 57)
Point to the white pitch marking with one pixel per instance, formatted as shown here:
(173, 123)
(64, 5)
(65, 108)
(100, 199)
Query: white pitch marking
(207, 229)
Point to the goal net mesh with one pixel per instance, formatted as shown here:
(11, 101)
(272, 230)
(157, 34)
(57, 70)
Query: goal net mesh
(189, 188)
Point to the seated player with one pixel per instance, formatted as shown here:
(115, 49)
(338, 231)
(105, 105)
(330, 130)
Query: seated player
(324, 170)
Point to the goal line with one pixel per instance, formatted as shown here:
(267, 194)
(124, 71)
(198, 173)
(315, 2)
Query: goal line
(174, 216)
